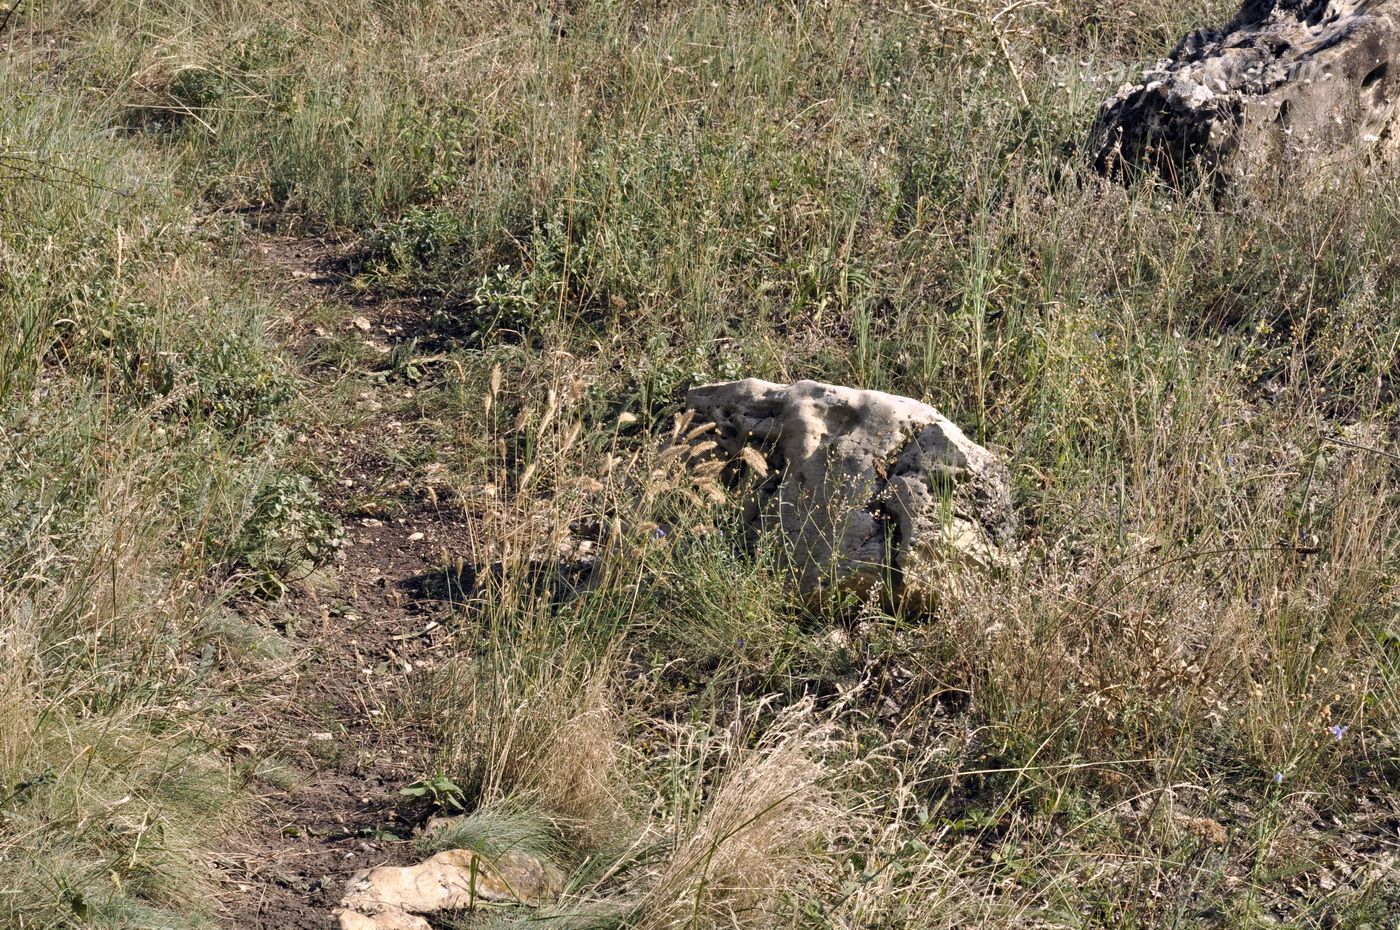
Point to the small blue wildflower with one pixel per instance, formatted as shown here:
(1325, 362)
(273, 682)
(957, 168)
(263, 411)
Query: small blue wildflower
(1278, 778)
(658, 533)
(739, 641)
(1338, 731)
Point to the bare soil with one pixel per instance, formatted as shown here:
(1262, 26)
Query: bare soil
(337, 727)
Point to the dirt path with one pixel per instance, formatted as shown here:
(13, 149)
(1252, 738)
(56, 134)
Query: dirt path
(336, 714)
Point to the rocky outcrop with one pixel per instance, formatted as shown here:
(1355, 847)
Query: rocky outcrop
(872, 494)
(1286, 86)
(397, 898)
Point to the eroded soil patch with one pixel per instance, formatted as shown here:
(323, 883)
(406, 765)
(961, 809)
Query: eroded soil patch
(336, 722)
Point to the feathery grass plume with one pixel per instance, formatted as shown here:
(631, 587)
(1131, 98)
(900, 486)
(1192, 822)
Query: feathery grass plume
(759, 834)
(17, 686)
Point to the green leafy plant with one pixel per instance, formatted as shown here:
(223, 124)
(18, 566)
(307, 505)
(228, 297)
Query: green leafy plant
(288, 533)
(441, 790)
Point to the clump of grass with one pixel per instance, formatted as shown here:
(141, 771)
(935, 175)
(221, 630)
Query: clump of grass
(531, 721)
(17, 720)
(496, 831)
(771, 812)
(139, 404)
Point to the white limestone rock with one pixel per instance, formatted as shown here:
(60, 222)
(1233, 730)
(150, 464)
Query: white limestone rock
(873, 494)
(398, 897)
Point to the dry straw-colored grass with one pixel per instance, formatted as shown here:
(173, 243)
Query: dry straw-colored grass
(771, 809)
(597, 206)
(17, 710)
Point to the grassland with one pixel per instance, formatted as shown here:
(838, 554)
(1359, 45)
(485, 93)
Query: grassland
(1182, 709)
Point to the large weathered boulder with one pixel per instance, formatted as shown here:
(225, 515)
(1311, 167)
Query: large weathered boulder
(873, 494)
(1287, 85)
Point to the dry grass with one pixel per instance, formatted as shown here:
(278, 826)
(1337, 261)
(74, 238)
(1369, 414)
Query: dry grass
(601, 205)
(771, 809)
(17, 713)
(537, 727)
(134, 418)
